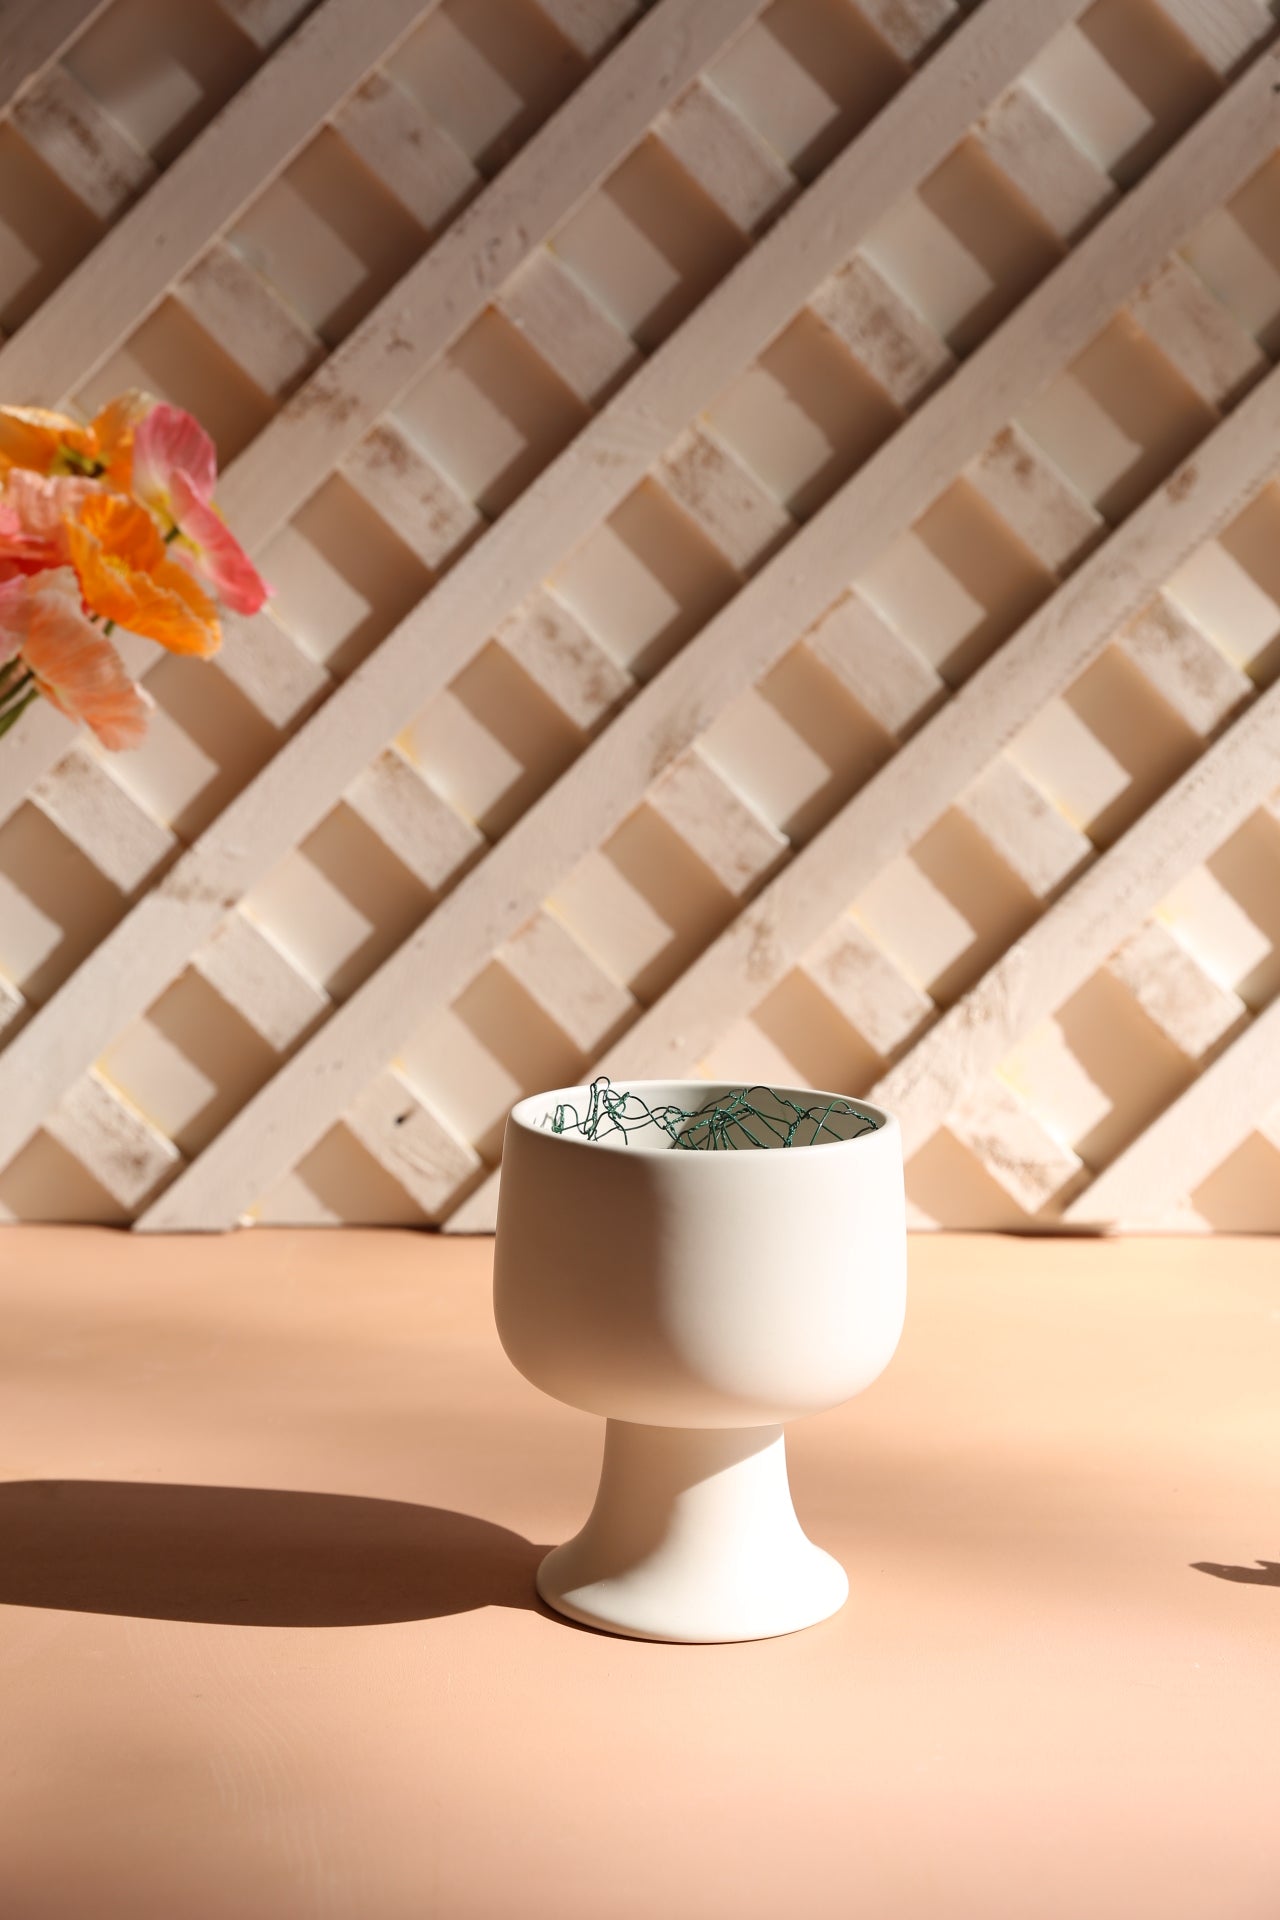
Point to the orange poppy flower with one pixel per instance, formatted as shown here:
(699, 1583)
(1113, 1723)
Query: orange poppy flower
(74, 666)
(54, 443)
(126, 575)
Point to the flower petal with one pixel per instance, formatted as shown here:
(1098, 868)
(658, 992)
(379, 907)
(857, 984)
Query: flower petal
(13, 604)
(216, 553)
(126, 575)
(113, 429)
(122, 528)
(170, 442)
(45, 500)
(75, 667)
(32, 437)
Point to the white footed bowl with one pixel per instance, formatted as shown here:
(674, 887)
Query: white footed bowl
(698, 1300)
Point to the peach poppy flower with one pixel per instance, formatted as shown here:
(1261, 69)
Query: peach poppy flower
(54, 443)
(34, 510)
(74, 666)
(174, 470)
(126, 575)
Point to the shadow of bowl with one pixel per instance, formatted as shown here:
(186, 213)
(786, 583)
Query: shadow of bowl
(252, 1556)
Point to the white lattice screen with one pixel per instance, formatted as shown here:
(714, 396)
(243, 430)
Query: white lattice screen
(774, 519)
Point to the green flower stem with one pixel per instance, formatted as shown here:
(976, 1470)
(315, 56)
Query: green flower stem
(23, 681)
(7, 672)
(12, 714)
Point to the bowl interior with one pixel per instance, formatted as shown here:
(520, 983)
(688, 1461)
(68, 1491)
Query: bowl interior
(665, 1116)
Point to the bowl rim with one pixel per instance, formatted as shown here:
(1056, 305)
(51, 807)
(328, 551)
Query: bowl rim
(521, 1117)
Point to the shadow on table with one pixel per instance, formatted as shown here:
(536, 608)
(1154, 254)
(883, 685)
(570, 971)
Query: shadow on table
(1265, 1574)
(252, 1556)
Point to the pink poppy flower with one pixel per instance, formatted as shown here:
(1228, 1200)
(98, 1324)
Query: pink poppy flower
(34, 511)
(73, 665)
(174, 470)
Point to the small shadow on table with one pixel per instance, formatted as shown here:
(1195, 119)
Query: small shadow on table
(252, 1556)
(1266, 1573)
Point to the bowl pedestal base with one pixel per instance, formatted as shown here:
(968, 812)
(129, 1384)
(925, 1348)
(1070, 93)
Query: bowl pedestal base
(693, 1537)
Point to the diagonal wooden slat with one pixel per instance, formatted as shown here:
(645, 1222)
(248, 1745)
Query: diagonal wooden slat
(1174, 990)
(899, 803)
(36, 33)
(547, 841)
(1075, 936)
(46, 736)
(412, 326)
(121, 1149)
(1222, 30)
(301, 783)
(902, 801)
(711, 731)
(83, 145)
(257, 134)
(124, 840)
(1194, 1134)
(595, 129)
(779, 928)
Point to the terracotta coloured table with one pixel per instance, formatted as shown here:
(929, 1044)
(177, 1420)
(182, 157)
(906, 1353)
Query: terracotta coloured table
(269, 1646)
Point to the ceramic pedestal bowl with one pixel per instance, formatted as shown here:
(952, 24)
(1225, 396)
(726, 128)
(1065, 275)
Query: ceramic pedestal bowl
(698, 1300)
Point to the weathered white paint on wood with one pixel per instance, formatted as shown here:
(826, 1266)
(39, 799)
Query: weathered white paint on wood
(911, 26)
(375, 1105)
(1209, 161)
(724, 830)
(1032, 836)
(248, 969)
(422, 654)
(1172, 988)
(860, 980)
(882, 671)
(428, 173)
(83, 145)
(410, 1142)
(1034, 149)
(901, 801)
(1040, 504)
(1194, 1134)
(260, 331)
(730, 162)
(405, 812)
(1224, 31)
(1197, 680)
(894, 344)
(1017, 1150)
(568, 663)
(123, 840)
(1076, 935)
(35, 33)
(257, 134)
(109, 1137)
(470, 262)
(566, 982)
(725, 499)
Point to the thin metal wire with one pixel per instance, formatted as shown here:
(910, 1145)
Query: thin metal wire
(731, 1122)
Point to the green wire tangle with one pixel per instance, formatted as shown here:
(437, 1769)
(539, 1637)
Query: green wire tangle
(732, 1121)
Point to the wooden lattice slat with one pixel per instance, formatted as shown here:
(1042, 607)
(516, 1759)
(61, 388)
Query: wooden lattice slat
(1071, 940)
(444, 941)
(35, 33)
(770, 513)
(898, 805)
(423, 653)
